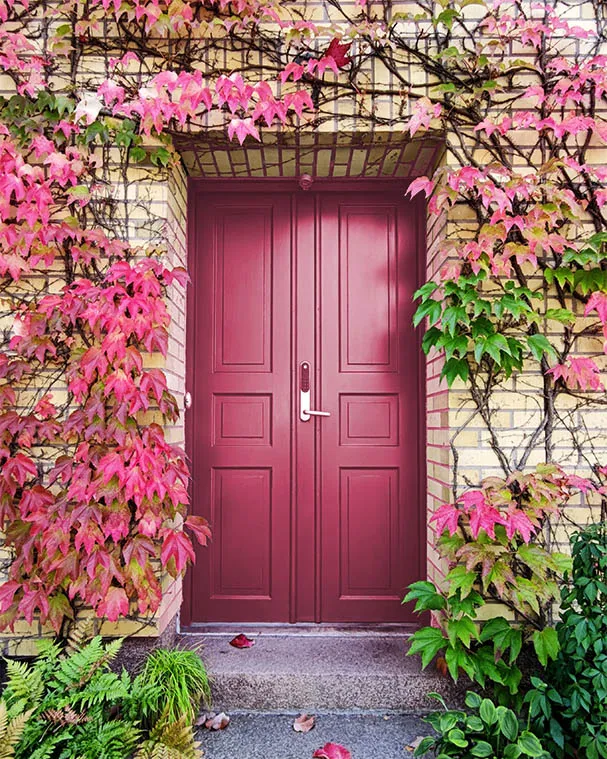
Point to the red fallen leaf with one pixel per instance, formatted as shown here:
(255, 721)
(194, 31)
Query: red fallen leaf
(339, 52)
(332, 751)
(304, 723)
(441, 666)
(217, 721)
(241, 641)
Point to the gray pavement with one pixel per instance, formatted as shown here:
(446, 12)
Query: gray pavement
(271, 736)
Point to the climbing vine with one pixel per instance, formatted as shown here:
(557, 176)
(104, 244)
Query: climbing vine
(93, 496)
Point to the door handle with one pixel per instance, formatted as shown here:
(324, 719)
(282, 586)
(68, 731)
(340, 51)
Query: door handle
(305, 412)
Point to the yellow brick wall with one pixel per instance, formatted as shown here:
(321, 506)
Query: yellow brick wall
(341, 144)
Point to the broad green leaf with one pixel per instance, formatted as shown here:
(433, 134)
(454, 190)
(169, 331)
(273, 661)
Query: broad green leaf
(530, 745)
(546, 644)
(426, 596)
(462, 629)
(482, 749)
(488, 712)
(508, 724)
(428, 642)
(540, 345)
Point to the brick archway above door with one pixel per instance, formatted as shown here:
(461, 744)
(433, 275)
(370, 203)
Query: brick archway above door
(319, 520)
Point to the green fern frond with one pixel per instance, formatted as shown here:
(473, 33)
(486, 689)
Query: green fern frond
(24, 685)
(103, 688)
(11, 732)
(77, 669)
(171, 740)
(109, 740)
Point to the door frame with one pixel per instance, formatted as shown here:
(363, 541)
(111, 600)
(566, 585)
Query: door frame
(198, 185)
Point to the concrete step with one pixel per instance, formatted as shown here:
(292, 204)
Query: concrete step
(271, 736)
(319, 672)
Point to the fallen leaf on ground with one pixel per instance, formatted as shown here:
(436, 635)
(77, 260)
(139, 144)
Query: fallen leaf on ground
(217, 721)
(304, 723)
(241, 641)
(441, 666)
(332, 751)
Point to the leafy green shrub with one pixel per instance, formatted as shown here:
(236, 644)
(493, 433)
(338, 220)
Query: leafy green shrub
(487, 730)
(180, 679)
(570, 707)
(493, 540)
(69, 704)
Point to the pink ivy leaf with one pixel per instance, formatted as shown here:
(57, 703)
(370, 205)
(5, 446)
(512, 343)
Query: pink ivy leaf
(581, 483)
(177, 546)
(446, 518)
(338, 51)
(580, 373)
(421, 184)
(332, 751)
(597, 302)
(295, 70)
(517, 521)
(241, 128)
(241, 641)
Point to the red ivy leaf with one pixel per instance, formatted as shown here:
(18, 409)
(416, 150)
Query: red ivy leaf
(332, 751)
(241, 641)
(339, 52)
(200, 528)
(114, 605)
(177, 546)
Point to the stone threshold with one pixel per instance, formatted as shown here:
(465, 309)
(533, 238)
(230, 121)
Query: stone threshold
(221, 629)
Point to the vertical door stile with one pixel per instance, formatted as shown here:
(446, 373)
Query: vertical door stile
(305, 519)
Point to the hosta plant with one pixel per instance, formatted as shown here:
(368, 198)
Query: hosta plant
(484, 731)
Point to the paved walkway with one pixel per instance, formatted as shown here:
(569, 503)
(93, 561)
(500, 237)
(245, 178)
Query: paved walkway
(271, 736)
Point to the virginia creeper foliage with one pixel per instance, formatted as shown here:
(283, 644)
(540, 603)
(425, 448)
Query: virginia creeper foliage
(92, 495)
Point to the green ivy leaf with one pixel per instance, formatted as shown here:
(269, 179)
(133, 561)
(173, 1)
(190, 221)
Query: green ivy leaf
(563, 315)
(454, 368)
(540, 345)
(462, 629)
(425, 291)
(426, 596)
(429, 308)
(546, 644)
(428, 642)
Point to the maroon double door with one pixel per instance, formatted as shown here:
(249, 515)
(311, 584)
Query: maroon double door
(316, 520)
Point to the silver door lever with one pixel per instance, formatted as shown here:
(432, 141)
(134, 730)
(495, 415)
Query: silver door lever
(305, 412)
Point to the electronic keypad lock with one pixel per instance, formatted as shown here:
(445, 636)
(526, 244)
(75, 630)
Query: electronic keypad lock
(305, 412)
